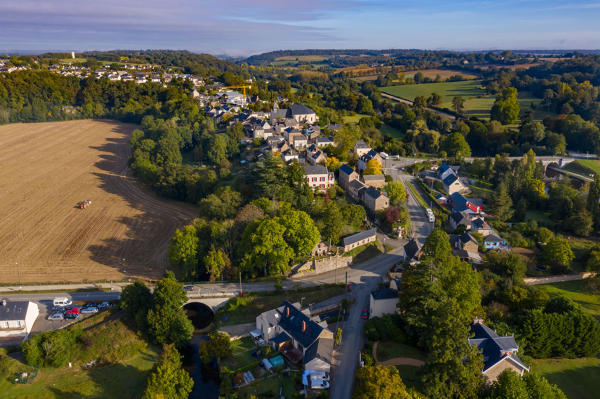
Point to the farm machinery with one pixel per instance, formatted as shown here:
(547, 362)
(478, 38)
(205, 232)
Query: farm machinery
(84, 204)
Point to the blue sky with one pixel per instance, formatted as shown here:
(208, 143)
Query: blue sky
(244, 27)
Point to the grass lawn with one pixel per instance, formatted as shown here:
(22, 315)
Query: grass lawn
(410, 376)
(417, 194)
(392, 131)
(270, 386)
(586, 167)
(578, 378)
(538, 216)
(353, 119)
(126, 380)
(477, 104)
(578, 292)
(261, 302)
(390, 349)
(241, 355)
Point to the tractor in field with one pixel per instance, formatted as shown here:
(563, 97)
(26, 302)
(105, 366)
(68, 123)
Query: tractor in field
(84, 204)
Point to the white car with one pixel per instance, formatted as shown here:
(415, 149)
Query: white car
(62, 301)
(91, 309)
(319, 384)
(56, 316)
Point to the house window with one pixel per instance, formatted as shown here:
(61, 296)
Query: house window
(5, 324)
(314, 179)
(322, 179)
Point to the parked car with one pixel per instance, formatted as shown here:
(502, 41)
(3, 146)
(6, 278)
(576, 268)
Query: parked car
(188, 287)
(319, 384)
(56, 316)
(91, 305)
(104, 305)
(71, 315)
(61, 301)
(58, 309)
(73, 310)
(364, 314)
(89, 309)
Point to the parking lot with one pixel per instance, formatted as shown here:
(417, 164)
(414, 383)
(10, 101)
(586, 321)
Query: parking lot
(46, 309)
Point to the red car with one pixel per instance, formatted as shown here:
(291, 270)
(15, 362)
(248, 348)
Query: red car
(364, 314)
(73, 310)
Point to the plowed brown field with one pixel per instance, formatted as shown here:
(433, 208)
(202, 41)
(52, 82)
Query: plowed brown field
(45, 170)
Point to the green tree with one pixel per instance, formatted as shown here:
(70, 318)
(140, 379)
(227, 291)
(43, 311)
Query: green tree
(167, 323)
(168, 379)
(539, 388)
(265, 247)
(215, 263)
(373, 167)
(136, 301)
(379, 382)
(223, 204)
(183, 250)
(218, 345)
(301, 234)
(395, 192)
(456, 146)
(558, 254)
(354, 215)
(333, 221)
(509, 386)
(501, 204)
(458, 104)
(506, 108)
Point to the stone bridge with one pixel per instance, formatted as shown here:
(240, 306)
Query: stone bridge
(215, 303)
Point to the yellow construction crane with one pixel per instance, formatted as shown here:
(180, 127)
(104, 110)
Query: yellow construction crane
(238, 87)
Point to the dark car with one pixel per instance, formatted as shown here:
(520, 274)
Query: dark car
(188, 287)
(71, 315)
(364, 314)
(104, 305)
(91, 305)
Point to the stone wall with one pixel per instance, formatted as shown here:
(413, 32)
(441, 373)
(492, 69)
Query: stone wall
(318, 266)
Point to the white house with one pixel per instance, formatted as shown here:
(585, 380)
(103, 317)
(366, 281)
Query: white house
(318, 177)
(16, 320)
(383, 301)
(303, 114)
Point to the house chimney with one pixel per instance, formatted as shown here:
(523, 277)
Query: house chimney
(287, 311)
(303, 326)
(4, 302)
(477, 321)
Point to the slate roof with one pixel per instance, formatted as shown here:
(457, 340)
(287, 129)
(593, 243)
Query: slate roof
(412, 248)
(493, 238)
(322, 349)
(356, 185)
(443, 167)
(325, 140)
(281, 338)
(450, 179)
(346, 169)
(457, 217)
(13, 310)
(361, 144)
(291, 322)
(358, 236)
(384, 293)
(367, 178)
(373, 193)
(479, 223)
(299, 109)
(315, 169)
(494, 347)
(458, 200)
(368, 156)
(279, 113)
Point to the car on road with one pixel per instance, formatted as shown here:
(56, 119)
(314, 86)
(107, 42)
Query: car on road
(364, 314)
(56, 316)
(188, 287)
(89, 309)
(71, 315)
(62, 301)
(104, 305)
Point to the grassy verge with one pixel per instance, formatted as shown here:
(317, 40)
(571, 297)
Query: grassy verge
(51, 291)
(578, 292)
(245, 309)
(391, 349)
(270, 386)
(417, 195)
(578, 378)
(241, 354)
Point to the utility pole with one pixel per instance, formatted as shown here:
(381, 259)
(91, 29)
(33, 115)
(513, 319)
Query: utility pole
(241, 292)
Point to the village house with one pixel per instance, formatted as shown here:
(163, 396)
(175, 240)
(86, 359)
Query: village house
(16, 320)
(499, 353)
(322, 142)
(345, 175)
(302, 114)
(318, 177)
(377, 181)
(466, 248)
(294, 333)
(493, 241)
(452, 184)
(290, 155)
(362, 161)
(412, 250)
(316, 157)
(359, 239)
(459, 204)
(374, 199)
(355, 190)
(298, 141)
(382, 301)
(361, 148)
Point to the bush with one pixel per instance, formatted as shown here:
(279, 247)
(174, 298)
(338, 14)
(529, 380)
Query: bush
(385, 328)
(51, 348)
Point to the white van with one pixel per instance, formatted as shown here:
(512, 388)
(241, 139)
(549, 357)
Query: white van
(430, 215)
(62, 301)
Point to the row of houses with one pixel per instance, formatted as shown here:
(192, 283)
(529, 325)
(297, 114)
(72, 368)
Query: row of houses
(368, 191)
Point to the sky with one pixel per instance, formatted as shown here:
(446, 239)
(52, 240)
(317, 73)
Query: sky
(245, 27)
